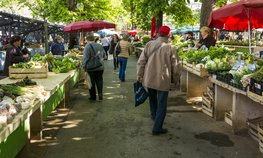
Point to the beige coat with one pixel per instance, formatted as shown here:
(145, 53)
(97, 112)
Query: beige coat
(158, 65)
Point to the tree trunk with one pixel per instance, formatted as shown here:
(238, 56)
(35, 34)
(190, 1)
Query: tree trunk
(159, 21)
(46, 35)
(132, 14)
(72, 4)
(72, 40)
(207, 8)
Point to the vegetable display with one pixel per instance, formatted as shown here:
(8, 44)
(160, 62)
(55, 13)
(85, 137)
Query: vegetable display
(137, 44)
(58, 64)
(14, 99)
(39, 58)
(22, 65)
(145, 39)
(230, 67)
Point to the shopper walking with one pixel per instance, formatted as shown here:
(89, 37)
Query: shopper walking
(155, 69)
(93, 63)
(106, 44)
(14, 54)
(125, 51)
(113, 43)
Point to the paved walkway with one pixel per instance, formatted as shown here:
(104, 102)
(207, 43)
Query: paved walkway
(114, 128)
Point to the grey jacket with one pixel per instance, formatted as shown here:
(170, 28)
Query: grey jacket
(158, 65)
(99, 51)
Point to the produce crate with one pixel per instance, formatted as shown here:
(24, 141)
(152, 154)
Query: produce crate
(260, 137)
(18, 73)
(207, 106)
(228, 118)
(199, 71)
(211, 93)
(80, 57)
(253, 127)
(187, 64)
(255, 97)
(256, 86)
(238, 86)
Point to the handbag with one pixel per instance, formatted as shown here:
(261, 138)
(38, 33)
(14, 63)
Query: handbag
(140, 93)
(117, 49)
(94, 61)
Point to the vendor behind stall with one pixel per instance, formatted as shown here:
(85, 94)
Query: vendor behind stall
(190, 39)
(14, 54)
(207, 39)
(56, 48)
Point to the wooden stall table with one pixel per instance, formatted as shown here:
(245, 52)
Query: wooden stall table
(183, 81)
(138, 51)
(241, 48)
(15, 135)
(195, 80)
(228, 98)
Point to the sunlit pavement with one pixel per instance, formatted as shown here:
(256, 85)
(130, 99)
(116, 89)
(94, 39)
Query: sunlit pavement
(114, 128)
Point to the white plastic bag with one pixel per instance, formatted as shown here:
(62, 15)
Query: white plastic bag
(87, 82)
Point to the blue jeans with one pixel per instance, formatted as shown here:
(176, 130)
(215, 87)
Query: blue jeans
(158, 107)
(123, 64)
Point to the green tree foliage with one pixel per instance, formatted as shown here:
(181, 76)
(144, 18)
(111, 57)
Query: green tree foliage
(142, 11)
(61, 11)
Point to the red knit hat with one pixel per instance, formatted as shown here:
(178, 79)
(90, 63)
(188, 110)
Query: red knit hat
(164, 31)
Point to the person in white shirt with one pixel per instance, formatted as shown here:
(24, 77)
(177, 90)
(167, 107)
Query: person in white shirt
(105, 44)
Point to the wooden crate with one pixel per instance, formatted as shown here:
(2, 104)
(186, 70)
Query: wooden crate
(208, 111)
(80, 57)
(255, 97)
(18, 73)
(207, 101)
(228, 118)
(207, 106)
(260, 137)
(187, 64)
(199, 72)
(211, 93)
(253, 127)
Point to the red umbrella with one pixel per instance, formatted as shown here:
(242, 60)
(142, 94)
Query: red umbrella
(133, 32)
(153, 28)
(86, 26)
(237, 16)
(242, 15)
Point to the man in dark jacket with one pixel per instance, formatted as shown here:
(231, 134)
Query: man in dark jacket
(56, 48)
(14, 54)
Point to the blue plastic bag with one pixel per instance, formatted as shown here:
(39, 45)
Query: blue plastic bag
(140, 93)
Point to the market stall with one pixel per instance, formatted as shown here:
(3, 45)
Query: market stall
(230, 85)
(242, 15)
(48, 92)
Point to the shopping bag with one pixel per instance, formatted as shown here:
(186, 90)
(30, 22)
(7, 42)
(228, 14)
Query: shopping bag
(140, 93)
(87, 82)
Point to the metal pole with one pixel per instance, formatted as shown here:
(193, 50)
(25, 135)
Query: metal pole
(46, 35)
(249, 31)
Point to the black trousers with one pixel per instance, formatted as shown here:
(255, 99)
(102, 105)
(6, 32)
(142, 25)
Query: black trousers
(96, 78)
(106, 48)
(115, 62)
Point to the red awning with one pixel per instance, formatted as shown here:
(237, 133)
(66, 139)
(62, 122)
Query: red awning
(236, 16)
(134, 32)
(87, 26)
